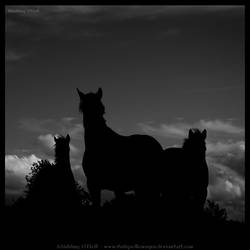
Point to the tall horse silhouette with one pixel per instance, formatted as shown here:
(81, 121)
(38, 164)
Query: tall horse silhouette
(186, 172)
(115, 162)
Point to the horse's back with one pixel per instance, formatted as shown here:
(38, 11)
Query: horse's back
(145, 143)
(123, 162)
(174, 158)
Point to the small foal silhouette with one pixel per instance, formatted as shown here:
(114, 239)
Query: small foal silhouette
(52, 186)
(186, 171)
(115, 162)
(64, 176)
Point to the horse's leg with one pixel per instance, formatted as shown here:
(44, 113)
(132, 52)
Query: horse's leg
(119, 195)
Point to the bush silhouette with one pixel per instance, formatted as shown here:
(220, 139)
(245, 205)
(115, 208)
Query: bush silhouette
(51, 186)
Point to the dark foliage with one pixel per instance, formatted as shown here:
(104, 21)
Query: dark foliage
(43, 189)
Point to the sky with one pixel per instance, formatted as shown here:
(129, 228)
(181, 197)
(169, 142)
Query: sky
(163, 70)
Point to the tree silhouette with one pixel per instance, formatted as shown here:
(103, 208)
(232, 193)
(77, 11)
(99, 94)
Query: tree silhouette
(43, 189)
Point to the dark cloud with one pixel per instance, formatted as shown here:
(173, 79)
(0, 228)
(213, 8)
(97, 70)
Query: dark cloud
(53, 126)
(37, 125)
(27, 25)
(115, 12)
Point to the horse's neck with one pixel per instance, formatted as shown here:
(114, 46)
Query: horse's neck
(95, 131)
(65, 160)
(191, 155)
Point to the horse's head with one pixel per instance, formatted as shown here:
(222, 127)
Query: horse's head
(62, 147)
(196, 141)
(91, 104)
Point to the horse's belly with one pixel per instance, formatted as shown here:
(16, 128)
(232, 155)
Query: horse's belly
(110, 174)
(124, 166)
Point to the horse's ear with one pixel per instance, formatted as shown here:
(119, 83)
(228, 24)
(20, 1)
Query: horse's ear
(204, 133)
(99, 93)
(190, 133)
(80, 93)
(68, 138)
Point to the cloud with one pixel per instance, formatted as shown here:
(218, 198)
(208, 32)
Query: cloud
(225, 156)
(68, 119)
(48, 144)
(137, 11)
(225, 184)
(42, 22)
(16, 168)
(47, 140)
(39, 22)
(221, 126)
(76, 132)
(79, 174)
(78, 9)
(12, 57)
(227, 176)
(237, 148)
(73, 149)
(36, 125)
(46, 129)
(230, 154)
(178, 130)
(227, 187)
(227, 179)
(19, 166)
(63, 126)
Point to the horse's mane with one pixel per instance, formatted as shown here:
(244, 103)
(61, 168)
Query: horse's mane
(58, 147)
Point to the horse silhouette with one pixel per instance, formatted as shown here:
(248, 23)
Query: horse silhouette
(115, 162)
(64, 176)
(185, 176)
(52, 186)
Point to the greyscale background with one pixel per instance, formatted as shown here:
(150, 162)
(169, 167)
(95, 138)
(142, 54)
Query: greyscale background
(163, 70)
